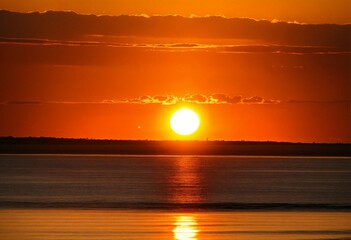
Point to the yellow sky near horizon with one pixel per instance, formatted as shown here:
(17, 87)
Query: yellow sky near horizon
(311, 11)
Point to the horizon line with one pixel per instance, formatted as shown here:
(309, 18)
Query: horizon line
(170, 140)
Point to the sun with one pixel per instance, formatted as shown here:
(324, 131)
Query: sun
(184, 122)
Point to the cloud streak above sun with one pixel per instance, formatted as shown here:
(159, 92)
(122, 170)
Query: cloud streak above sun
(214, 99)
(218, 98)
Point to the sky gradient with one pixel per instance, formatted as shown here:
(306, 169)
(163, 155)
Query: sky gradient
(64, 74)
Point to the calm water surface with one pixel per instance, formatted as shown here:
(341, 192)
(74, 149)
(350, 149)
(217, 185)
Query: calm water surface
(168, 197)
(92, 224)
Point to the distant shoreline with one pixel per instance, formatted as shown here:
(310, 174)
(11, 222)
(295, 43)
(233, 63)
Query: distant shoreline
(32, 145)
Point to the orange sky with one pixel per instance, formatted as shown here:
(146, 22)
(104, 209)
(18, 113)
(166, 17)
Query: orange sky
(311, 11)
(105, 77)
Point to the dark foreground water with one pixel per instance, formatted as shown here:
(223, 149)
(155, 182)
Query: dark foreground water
(174, 197)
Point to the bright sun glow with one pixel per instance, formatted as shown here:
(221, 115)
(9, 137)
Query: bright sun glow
(185, 228)
(185, 122)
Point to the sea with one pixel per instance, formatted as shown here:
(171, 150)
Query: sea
(130, 197)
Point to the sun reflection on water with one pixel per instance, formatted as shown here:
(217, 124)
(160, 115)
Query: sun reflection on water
(186, 184)
(185, 228)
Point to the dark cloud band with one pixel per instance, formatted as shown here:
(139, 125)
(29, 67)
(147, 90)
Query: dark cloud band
(53, 25)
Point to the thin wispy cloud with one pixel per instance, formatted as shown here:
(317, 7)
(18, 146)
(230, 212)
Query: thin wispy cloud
(185, 46)
(22, 102)
(318, 101)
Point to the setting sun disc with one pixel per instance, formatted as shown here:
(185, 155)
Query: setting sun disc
(184, 122)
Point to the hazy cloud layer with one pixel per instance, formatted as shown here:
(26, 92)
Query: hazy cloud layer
(23, 102)
(316, 101)
(74, 27)
(185, 46)
(217, 98)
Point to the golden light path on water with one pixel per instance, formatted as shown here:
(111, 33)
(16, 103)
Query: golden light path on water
(186, 182)
(103, 224)
(186, 185)
(185, 228)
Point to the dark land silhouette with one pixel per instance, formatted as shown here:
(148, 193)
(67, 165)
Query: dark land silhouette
(31, 145)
